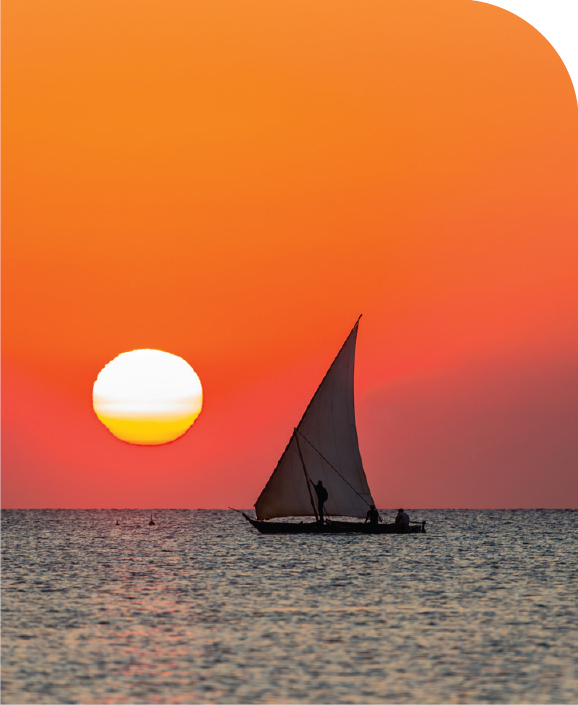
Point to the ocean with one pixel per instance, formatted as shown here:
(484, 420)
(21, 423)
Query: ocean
(201, 608)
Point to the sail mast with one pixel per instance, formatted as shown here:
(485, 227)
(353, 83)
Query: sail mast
(331, 453)
(307, 479)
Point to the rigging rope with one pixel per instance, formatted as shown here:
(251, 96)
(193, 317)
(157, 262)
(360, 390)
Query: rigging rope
(334, 468)
(307, 478)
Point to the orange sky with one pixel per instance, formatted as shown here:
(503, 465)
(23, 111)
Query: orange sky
(235, 183)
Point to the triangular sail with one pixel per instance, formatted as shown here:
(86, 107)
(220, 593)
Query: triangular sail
(327, 438)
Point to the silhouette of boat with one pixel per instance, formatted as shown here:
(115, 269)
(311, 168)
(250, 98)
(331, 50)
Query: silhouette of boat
(324, 446)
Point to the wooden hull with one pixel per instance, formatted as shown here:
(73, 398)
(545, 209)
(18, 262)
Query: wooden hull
(332, 527)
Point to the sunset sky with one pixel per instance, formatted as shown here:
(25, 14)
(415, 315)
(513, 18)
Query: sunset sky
(235, 183)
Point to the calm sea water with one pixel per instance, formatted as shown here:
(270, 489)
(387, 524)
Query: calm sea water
(202, 608)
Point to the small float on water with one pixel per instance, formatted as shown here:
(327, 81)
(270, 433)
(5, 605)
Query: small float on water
(324, 447)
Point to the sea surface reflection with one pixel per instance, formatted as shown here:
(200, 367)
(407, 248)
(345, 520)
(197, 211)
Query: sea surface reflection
(202, 608)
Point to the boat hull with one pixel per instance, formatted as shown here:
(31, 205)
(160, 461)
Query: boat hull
(332, 527)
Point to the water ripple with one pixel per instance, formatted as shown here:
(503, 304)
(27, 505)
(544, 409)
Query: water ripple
(202, 608)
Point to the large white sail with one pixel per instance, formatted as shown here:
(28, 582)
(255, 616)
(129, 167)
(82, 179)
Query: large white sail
(325, 442)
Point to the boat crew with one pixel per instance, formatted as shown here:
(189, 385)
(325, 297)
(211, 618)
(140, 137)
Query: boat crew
(372, 516)
(322, 497)
(402, 520)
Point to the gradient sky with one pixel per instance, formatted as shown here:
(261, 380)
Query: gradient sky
(234, 183)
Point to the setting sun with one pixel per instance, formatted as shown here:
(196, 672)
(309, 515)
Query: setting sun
(147, 397)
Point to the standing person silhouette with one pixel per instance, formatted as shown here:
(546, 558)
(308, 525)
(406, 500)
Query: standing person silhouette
(372, 516)
(322, 497)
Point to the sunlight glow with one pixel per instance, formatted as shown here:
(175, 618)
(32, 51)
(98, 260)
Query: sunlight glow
(147, 397)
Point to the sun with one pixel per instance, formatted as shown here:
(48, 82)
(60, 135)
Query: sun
(147, 397)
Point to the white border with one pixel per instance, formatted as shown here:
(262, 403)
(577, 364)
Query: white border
(556, 20)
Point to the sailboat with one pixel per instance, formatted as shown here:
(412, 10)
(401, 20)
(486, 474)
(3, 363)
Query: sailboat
(323, 447)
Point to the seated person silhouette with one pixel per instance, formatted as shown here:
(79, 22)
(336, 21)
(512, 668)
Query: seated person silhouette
(402, 520)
